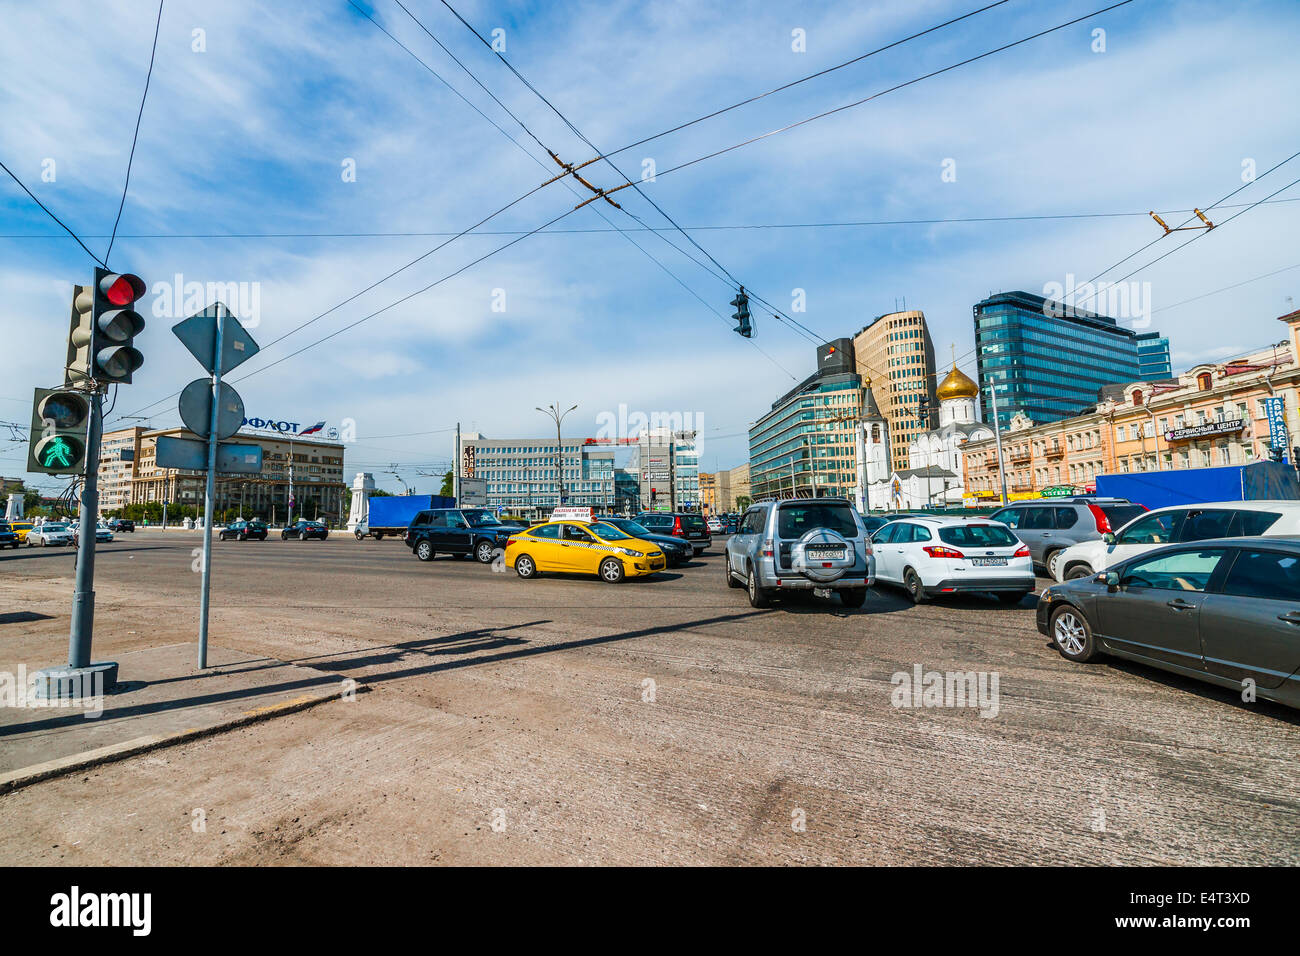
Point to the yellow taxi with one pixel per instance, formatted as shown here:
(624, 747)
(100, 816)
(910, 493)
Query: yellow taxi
(576, 543)
(20, 528)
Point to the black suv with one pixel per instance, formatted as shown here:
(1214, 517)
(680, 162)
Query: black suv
(122, 524)
(242, 530)
(303, 530)
(680, 524)
(459, 532)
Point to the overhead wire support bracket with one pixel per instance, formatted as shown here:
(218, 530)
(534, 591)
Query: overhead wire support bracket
(571, 170)
(1208, 225)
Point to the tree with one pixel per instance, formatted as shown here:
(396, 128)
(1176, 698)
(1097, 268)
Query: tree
(448, 485)
(743, 502)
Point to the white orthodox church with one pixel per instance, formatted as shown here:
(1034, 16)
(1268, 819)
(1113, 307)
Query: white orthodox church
(936, 477)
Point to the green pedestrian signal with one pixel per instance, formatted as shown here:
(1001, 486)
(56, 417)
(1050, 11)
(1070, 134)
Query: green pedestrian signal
(57, 437)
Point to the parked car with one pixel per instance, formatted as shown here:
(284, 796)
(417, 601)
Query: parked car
(8, 539)
(1179, 524)
(21, 528)
(715, 526)
(574, 546)
(1223, 611)
(122, 524)
(934, 555)
(801, 544)
(730, 523)
(677, 551)
(242, 529)
(50, 533)
(1050, 525)
(873, 523)
(679, 524)
(303, 530)
(459, 532)
(102, 532)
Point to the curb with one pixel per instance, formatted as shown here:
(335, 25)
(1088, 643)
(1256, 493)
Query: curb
(26, 776)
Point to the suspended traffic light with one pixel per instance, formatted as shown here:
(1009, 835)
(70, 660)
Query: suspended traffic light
(115, 326)
(744, 324)
(57, 437)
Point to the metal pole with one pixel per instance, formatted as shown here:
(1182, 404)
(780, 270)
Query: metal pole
(559, 448)
(455, 470)
(672, 471)
(997, 437)
(289, 520)
(208, 490)
(83, 597)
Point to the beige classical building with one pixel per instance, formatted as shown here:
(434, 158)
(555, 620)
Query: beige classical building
(128, 474)
(708, 493)
(896, 355)
(1208, 416)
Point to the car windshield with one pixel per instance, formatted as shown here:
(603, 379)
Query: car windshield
(978, 535)
(608, 532)
(478, 519)
(796, 520)
(631, 527)
(54, 527)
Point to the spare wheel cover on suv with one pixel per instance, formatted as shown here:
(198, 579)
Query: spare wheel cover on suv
(806, 560)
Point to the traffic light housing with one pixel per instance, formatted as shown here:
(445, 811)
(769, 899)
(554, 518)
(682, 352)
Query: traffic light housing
(744, 323)
(56, 440)
(77, 370)
(114, 326)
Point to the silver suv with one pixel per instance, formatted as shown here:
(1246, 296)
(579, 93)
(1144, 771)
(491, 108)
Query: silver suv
(1050, 525)
(800, 544)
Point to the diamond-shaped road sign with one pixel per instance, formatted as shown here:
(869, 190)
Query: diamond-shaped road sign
(198, 333)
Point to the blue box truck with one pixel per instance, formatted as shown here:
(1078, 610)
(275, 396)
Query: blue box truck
(388, 515)
(1258, 481)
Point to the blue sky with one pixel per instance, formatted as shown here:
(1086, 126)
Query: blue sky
(250, 136)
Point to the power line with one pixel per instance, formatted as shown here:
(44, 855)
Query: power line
(136, 135)
(829, 224)
(47, 211)
(1227, 288)
(626, 181)
(1213, 205)
(892, 89)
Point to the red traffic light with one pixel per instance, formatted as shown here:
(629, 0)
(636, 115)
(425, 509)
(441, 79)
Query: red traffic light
(121, 289)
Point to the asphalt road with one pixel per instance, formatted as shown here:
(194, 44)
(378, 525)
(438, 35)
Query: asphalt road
(564, 720)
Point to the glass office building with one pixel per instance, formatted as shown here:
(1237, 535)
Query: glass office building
(1045, 359)
(1153, 357)
(805, 445)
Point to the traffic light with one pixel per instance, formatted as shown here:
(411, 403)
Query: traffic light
(56, 443)
(77, 370)
(115, 326)
(744, 324)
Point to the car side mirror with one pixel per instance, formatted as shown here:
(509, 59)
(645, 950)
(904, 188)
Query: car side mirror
(1110, 579)
(1108, 537)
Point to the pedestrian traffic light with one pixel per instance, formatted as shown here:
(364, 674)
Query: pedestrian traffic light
(56, 441)
(744, 324)
(115, 326)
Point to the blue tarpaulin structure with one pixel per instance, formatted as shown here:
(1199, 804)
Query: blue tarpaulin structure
(1260, 480)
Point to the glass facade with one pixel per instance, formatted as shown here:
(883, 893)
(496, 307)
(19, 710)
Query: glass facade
(1047, 366)
(522, 474)
(806, 442)
(1153, 357)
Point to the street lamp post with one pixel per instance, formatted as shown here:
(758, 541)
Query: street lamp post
(554, 411)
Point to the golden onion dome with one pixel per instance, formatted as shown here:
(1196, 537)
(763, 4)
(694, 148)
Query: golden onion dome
(957, 385)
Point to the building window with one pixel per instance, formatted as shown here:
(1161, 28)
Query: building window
(1204, 382)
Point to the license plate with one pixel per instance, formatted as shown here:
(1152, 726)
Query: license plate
(989, 562)
(826, 554)
(656, 565)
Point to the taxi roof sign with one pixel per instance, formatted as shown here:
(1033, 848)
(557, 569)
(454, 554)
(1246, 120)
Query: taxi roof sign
(569, 513)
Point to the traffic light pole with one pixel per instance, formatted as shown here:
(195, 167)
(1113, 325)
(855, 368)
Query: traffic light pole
(83, 598)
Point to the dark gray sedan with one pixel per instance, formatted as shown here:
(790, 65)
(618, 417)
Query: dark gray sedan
(1226, 611)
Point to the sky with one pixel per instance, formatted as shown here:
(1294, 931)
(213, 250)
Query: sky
(265, 122)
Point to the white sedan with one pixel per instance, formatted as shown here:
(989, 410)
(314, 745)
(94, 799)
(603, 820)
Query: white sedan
(50, 533)
(930, 556)
(1179, 524)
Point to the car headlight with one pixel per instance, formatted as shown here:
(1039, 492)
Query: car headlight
(630, 553)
